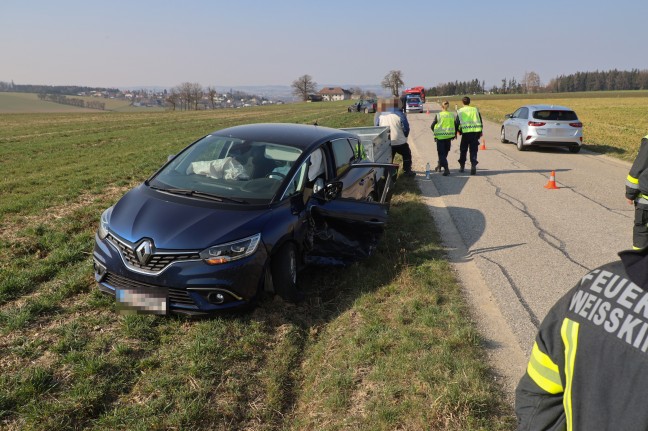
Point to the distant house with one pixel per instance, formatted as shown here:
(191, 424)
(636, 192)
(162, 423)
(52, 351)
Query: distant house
(334, 93)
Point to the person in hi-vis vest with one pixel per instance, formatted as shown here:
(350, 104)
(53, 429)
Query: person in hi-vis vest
(469, 124)
(445, 131)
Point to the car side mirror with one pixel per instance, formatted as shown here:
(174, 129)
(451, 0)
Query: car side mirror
(170, 156)
(508, 116)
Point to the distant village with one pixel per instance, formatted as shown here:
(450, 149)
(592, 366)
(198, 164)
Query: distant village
(187, 96)
(179, 101)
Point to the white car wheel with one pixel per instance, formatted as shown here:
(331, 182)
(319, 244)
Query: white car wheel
(520, 142)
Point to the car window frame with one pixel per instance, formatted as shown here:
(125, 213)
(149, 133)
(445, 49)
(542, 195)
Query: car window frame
(340, 170)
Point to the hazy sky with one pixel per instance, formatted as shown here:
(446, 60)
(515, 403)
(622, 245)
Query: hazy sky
(124, 43)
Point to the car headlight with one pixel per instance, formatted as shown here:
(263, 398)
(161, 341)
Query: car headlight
(234, 250)
(103, 223)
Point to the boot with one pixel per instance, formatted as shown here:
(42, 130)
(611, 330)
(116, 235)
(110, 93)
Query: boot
(437, 168)
(461, 168)
(446, 171)
(473, 170)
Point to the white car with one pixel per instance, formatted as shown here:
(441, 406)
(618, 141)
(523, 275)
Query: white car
(413, 104)
(543, 126)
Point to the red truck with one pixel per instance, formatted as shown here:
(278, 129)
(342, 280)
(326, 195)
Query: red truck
(418, 91)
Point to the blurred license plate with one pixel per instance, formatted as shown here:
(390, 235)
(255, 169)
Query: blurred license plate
(142, 300)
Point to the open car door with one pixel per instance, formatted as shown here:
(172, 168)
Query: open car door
(342, 229)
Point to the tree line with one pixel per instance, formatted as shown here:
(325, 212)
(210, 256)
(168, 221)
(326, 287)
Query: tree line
(611, 80)
(52, 89)
(191, 96)
(72, 101)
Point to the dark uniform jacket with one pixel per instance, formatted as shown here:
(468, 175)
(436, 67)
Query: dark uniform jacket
(637, 181)
(588, 370)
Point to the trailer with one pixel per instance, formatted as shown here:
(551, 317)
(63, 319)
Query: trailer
(375, 140)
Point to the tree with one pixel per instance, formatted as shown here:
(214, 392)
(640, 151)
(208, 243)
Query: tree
(393, 81)
(303, 86)
(531, 82)
(211, 95)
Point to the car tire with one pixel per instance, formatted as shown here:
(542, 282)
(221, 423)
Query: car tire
(366, 110)
(284, 273)
(575, 149)
(503, 136)
(519, 143)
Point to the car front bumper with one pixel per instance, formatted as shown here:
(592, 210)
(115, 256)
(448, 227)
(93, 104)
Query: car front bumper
(191, 287)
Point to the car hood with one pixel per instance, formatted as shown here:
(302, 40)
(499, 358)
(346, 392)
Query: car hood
(181, 223)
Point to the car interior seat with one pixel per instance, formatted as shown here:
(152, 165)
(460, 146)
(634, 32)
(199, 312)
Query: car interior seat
(258, 165)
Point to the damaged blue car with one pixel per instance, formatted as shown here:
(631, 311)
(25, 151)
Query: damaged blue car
(238, 212)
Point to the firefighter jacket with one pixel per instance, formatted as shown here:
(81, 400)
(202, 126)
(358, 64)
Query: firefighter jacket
(637, 180)
(588, 369)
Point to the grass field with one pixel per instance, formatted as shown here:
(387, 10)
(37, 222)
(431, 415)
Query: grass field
(613, 122)
(381, 345)
(21, 103)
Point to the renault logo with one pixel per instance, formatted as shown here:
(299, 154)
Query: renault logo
(144, 251)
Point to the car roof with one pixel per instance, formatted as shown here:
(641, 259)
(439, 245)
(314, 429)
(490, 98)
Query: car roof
(296, 135)
(545, 107)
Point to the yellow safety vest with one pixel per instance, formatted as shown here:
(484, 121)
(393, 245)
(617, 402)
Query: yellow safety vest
(469, 120)
(445, 126)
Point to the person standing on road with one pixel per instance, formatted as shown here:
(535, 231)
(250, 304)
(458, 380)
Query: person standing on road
(637, 194)
(445, 131)
(469, 124)
(390, 115)
(588, 369)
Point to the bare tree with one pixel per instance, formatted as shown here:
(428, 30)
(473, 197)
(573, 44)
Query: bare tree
(357, 91)
(303, 86)
(531, 82)
(189, 94)
(393, 81)
(196, 94)
(172, 98)
(211, 95)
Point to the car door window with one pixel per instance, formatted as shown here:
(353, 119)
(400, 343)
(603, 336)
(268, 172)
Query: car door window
(310, 171)
(516, 114)
(524, 113)
(343, 155)
(358, 149)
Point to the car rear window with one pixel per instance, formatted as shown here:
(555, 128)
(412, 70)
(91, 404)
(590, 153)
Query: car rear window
(555, 115)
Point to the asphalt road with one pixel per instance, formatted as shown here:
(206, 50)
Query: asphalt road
(517, 246)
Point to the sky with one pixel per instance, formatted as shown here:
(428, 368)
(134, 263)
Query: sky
(137, 43)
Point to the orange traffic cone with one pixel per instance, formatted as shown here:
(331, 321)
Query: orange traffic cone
(483, 145)
(552, 181)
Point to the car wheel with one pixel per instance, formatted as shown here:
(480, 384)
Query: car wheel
(366, 110)
(284, 273)
(520, 144)
(574, 149)
(503, 136)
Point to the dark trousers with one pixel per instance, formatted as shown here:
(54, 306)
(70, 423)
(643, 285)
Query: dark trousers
(406, 154)
(469, 141)
(443, 148)
(640, 230)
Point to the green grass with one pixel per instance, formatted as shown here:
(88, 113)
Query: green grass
(383, 344)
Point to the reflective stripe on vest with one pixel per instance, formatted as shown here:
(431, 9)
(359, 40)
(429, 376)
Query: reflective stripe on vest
(469, 119)
(445, 126)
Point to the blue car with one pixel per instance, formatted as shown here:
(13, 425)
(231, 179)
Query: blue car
(239, 212)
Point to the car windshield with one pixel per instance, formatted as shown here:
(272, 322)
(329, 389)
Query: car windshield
(228, 169)
(413, 100)
(555, 115)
